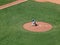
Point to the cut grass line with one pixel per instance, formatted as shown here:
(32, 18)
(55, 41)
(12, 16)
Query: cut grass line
(11, 4)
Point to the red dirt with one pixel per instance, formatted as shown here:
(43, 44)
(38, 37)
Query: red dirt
(11, 4)
(53, 1)
(42, 27)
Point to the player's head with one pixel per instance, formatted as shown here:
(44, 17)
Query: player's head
(33, 20)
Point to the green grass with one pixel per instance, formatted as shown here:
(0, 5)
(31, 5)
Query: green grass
(2, 2)
(13, 18)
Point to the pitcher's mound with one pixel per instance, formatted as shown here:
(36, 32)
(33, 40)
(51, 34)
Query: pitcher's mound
(41, 27)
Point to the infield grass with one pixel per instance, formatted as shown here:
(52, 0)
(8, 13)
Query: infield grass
(13, 18)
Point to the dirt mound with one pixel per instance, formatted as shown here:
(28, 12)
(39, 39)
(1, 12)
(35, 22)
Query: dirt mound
(41, 27)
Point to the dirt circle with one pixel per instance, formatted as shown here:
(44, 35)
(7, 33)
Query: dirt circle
(42, 27)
